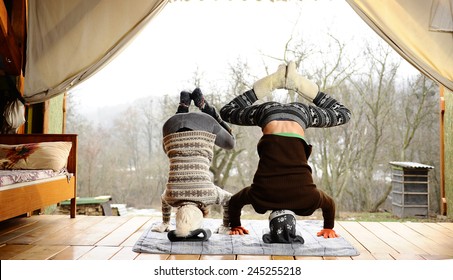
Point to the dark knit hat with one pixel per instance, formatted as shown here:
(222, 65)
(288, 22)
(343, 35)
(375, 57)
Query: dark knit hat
(282, 225)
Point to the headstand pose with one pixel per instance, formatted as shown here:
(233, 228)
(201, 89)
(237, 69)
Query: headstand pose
(283, 179)
(188, 140)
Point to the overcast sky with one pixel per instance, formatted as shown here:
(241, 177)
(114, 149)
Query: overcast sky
(211, 35)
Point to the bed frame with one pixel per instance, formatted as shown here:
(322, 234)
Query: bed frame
(24, 200)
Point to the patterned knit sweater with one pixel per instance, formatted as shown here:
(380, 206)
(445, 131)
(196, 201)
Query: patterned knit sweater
(324, 112)
(190, 154)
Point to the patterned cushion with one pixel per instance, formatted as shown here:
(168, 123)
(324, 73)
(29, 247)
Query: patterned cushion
(44, 155)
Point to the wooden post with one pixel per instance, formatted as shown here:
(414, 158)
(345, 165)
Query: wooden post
(21, 82)
(45, 116)
(443, 199)
(65, 100)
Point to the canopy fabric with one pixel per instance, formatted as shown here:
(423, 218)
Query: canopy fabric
(442, 16)
(421, 31)
(70, 40)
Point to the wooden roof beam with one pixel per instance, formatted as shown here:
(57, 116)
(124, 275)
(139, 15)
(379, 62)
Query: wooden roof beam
(11, 49)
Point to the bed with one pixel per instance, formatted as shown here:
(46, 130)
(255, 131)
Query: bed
(21, 198)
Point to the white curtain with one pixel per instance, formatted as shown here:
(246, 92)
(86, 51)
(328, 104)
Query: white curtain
(442, 16)
(70, 40)
(419, 30)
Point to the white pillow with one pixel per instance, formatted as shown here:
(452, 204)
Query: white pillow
(44, 155)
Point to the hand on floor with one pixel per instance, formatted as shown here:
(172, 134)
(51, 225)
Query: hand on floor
(327, 233)
(161, 227)
(223, 230)
(238, 231)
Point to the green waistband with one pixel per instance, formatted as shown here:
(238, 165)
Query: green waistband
(290, 134)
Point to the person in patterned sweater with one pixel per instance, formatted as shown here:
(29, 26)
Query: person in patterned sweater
(283, 179)
(188, 141)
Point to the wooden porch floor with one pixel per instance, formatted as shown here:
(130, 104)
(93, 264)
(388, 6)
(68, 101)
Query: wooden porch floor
(57, 237)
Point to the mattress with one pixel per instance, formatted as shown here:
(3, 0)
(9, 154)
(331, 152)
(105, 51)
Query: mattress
(19, 178)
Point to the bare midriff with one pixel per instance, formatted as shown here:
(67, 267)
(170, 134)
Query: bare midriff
(277, 126)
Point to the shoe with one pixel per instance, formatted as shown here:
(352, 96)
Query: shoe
(300, 84)
(184, 99)
(184, 102)
(265, 86)
(198, 98)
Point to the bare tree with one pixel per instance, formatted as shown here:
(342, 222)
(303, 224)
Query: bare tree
(376, 88)
(333, 155)
(416, 129)
(91, 140)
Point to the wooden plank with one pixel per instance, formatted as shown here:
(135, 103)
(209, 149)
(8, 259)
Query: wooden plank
(364, 256)
(329, 258)
(440, 228)
(98, 231)
(370, 241)
(39, 252)
(283, 258)
(436, 236)
(14, 223)
(253, 257)
(424, 243)
(100, 253)
(144, 256)
(393, 239)
(342, 230)
(28, 228)
(10, 251)
(65, 235)
(407, 257)
(72, 253)
(136, 235)
(332, 258)
(437, 257)
(184, 257)
(447, 225)
(33, 197)
(429, 231)
(217, 257)
(125, 253)
(383, 256)
(410, 241)
(306, 258)
(123, 232)
(44, 231)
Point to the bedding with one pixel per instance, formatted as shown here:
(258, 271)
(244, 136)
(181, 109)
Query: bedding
(10, 177)
(50, 158)
(45, 155)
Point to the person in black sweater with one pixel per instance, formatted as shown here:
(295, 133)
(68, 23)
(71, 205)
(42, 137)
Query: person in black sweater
(283, 179)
